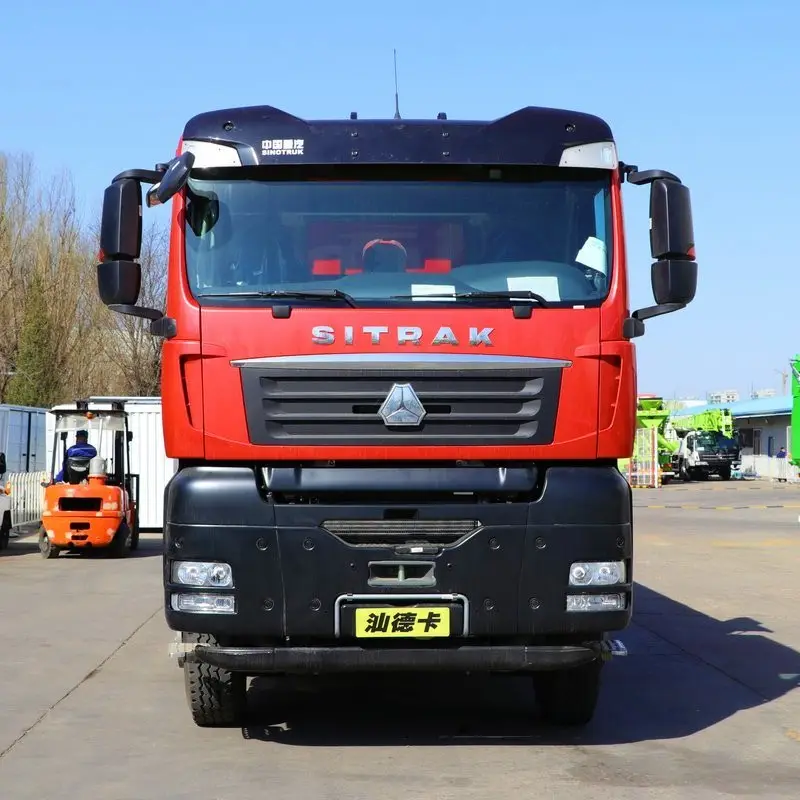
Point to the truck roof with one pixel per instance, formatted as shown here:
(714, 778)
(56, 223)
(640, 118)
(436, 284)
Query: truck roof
(104, 407)
(529, 136)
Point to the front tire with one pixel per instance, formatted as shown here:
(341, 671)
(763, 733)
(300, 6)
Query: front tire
(46, 547)
(569, 696)
(120, 544)
(217, 698)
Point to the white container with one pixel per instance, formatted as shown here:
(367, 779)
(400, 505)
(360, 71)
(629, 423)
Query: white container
(148, 459)
(23, 438)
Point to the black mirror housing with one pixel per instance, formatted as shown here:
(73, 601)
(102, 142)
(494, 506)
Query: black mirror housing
(119, 282)
(172, 181)
(119, 275)
(121, 226)
(671, 226)
(673, 276)
(674, 281)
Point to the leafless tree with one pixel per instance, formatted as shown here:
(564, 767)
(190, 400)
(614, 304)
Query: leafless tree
(58, 341)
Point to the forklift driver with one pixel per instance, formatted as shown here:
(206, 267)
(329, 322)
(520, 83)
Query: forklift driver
(81, 449)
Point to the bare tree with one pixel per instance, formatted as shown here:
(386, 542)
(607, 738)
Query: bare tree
(58, 341)
(129, 341)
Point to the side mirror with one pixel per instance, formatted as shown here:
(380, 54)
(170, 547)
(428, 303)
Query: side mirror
(119, 282)
(673, 282)
(121, 226)
(130, 436)
(173, 180)
(673, 276)
(119, 275)
(671, 228)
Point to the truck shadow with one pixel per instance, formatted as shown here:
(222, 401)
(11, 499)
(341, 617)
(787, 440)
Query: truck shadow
(685, 672)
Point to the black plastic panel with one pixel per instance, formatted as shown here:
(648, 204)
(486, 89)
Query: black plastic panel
(530, 135)
(420, 480)
(289, 570)
(308, 406)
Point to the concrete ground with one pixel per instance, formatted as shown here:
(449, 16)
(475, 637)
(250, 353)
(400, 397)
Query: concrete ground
(705, 706)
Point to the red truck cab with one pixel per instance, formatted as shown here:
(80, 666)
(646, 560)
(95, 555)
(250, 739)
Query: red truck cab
(397, 375)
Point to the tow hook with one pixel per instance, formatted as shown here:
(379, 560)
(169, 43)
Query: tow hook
(608, 648)
(178, 649)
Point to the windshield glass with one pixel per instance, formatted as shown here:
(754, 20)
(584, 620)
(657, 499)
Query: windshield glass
(98, 422)
(715, 439)
(396, 241)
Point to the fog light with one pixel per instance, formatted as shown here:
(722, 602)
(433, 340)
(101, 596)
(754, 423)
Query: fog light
(595, 602)
(596, 573)
(202, 573)
(204, 603)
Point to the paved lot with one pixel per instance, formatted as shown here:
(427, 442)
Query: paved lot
(706, 705)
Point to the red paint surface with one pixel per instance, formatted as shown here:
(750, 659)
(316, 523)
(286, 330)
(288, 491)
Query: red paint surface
(203, 406)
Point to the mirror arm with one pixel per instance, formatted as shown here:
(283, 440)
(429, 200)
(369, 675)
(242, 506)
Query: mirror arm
(141, 175)
(160, 325)
(657, 311)
(640, 178)
(633, 326)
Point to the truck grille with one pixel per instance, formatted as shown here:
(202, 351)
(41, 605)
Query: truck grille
(501, 405)
(382, 532)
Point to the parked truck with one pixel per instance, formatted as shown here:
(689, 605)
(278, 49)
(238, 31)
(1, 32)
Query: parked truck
(398, 370)
(706, 444)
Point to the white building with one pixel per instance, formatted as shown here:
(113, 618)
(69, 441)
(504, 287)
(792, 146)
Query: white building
(725, 396)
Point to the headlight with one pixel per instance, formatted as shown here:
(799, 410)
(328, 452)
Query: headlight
(202, 573)
(597, 573)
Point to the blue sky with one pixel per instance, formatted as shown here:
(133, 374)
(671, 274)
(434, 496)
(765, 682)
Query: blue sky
(710, 94)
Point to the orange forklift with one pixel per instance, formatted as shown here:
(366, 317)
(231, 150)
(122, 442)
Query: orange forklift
(92, 502)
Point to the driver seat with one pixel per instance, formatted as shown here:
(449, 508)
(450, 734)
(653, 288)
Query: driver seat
(77, 469)
(384, 255)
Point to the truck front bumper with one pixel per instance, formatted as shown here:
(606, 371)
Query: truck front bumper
(302, 571)
(464, 658)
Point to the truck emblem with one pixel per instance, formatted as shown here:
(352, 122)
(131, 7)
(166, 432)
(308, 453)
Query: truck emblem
(402, 407)
(403, 335)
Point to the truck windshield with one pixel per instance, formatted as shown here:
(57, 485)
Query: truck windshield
(395, 242)
(713, 440)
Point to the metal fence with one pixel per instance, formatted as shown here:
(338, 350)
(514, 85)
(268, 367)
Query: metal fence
(770, 468)
(27, 497)
(642, 469)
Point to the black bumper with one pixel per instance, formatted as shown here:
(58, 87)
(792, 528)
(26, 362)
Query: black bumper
(720, 462)
(296, 583)
(314, 660)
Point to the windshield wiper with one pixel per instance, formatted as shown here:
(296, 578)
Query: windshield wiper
(322, 294)
(516, 294)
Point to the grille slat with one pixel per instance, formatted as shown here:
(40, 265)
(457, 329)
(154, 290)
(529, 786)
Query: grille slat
(303, 406)
(383, 532)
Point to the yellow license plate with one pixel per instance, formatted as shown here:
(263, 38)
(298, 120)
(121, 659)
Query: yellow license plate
(402, 622)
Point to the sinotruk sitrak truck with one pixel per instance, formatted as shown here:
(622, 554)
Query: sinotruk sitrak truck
(398, 371)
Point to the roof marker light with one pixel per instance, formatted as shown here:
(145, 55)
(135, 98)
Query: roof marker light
(595, 155)
(211, 154)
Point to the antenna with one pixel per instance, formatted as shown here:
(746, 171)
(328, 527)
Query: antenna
(396, 96)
